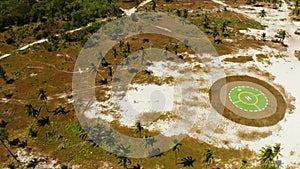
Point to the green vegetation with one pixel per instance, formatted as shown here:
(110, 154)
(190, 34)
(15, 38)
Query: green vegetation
(49, 122)
(78, 12)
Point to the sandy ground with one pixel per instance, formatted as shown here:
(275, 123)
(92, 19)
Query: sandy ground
(285, 71)
(143, 99)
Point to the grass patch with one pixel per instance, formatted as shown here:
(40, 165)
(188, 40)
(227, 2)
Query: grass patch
(239, 59)
(254, 135)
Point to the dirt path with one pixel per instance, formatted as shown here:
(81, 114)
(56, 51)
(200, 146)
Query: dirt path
(126, 11)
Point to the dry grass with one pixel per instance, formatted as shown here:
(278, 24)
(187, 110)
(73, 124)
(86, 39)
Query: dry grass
(254, 135)
(239, 59)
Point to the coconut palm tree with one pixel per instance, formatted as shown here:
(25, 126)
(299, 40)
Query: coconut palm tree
(138, 128)
(276, 150)
(109, 71)
(115, 53)
(60, 110)
(215, 32)
(185, 13)
(282, 34)
(3, 124)
(205, 21)
(166, 50)
(224, 26)
(153, 5)
(263, 36)
(3, 138)
(266, 157)
(208, 157)
(31, 111)
(244, 164)
(42, 96)
(83, 135)
(176, 148)
(121, 153)
(124, 161)
(188, 161)
(127, 47)
(178, 12)
(262, 13)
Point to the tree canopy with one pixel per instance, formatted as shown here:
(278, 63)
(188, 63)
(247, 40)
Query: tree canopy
(79, 12)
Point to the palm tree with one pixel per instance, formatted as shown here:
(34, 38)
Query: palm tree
(176, 49)
(208, 157)
(60, 110)
(3, 124)
(153, 5)
(262, 13)
(178, 12)
(188, 161)
(42, 96)
(127, 47)
(244, 164)
(263, 36)
(124, 161)
(115, 53)
(166, 50)
(276, 150)
(121, 43)
(3, 138)
(185, 13)
(282, 34)
(109, 71)
(205, 21)
(82, 134)
(215, 33)
(267, 157)
(31, 111)
(138, 128)
(176, 148)
(224, 26)
(121, 153)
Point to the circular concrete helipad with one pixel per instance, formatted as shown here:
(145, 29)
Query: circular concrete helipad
(247, 100)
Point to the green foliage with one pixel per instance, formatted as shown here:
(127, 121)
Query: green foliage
(31, 111)
(60, 110)
(63, 166)
(79, 12)
(3, 134)
(269, 156)
(208, 157)
(11, 165)
(31, 132)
